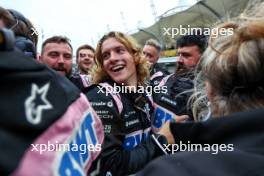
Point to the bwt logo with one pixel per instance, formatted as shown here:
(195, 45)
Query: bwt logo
(161, 116)
(132, 141)
(74, 162)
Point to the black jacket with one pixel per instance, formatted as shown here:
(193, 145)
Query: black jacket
(80, 80)
(127, 147)
(179, 88)
(157, 73)
(242, 130)
(40, 107)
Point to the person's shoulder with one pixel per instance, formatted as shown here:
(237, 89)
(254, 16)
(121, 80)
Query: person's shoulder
(181, 162)
(94, 89)
(186, 75)
(182, 81)
(102, 100)
(97, 92)
(161, 69)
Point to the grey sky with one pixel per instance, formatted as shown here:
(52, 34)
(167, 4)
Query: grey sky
(85, 21)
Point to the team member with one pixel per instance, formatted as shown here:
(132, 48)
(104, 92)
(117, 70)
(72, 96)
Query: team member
(180, 84)
(85, 61)
(56, 52)
(151, 51)
(126, 116)
(46, 125)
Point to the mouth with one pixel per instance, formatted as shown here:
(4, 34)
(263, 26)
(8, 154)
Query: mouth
(180, 65)
(87, 62)
(87, 65)
(63, 73)
(117, 68)
(60, 69)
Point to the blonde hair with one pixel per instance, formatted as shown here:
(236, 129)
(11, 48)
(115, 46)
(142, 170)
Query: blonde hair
(234, 67)
(142, 66)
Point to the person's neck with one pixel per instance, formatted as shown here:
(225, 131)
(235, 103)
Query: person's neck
(131, 84)
(86, 72)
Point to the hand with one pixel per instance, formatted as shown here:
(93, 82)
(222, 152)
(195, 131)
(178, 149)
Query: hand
(165, 129)
(180, 118)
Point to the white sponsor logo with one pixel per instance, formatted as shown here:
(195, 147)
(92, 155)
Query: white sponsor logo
(36, 103)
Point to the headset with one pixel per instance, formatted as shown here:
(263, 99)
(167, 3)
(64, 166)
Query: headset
(7, 39)
(23, 43)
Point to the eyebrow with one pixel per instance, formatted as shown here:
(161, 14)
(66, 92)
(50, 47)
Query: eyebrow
(53, 52)
(115, 47)
(57, 52)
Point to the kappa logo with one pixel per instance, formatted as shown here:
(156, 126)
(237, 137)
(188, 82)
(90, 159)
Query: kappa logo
(36, 103)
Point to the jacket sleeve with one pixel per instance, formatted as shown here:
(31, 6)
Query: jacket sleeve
(114, 158)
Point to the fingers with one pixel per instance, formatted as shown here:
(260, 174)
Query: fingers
(181, 118)
(165, 131)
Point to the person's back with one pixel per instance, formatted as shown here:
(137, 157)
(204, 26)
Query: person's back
(230, 145)
(43, 116)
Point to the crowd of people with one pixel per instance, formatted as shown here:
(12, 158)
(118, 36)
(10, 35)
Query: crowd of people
(212, 106)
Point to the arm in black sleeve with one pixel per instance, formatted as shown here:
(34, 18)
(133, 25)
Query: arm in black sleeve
(114, 158)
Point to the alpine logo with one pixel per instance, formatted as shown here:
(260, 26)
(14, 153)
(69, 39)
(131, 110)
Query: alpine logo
(36, 103)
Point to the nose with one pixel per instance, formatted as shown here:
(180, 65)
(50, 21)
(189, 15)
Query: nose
(180, 59)
(147, 55)
(114, 57)
(61, 59)
(87, 58)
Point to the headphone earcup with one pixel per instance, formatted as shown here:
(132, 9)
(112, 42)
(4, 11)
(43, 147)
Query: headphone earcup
(26, 46)
(7, 39)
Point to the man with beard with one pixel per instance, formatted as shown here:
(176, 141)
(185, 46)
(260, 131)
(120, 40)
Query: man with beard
(179, 84)
(85, 61)
(189, 51)
(56, 52)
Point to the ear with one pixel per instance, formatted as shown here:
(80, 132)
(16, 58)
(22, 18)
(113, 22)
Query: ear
(209, 91)
(38, 57)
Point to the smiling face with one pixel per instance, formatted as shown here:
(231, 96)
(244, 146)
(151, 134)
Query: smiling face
(58, 56)
(118, 63)
(85, 60)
